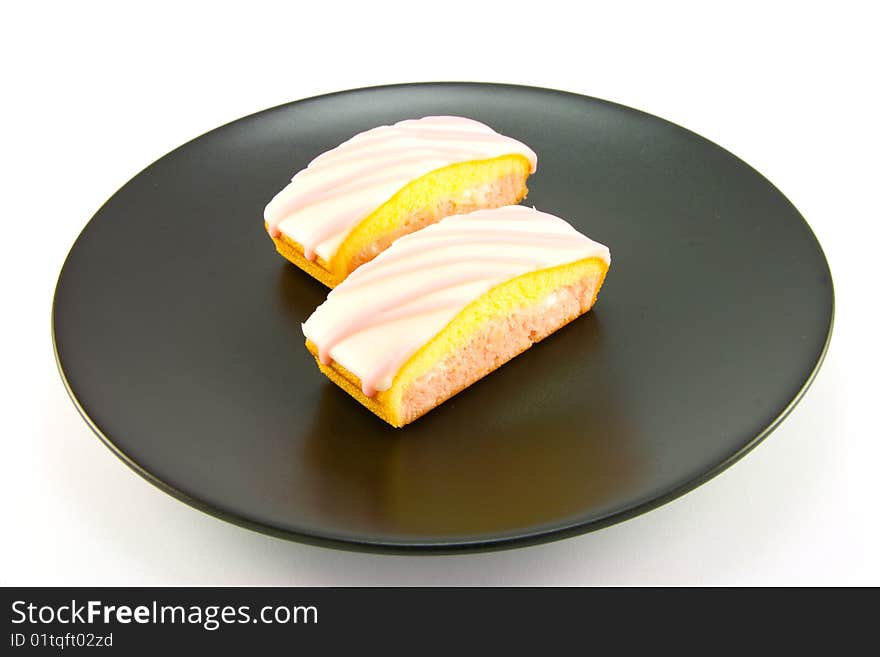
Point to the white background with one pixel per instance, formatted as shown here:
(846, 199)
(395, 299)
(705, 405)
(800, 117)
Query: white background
(95, 92)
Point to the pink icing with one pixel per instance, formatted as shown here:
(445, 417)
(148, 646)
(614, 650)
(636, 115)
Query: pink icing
(389, 310)
(420, 265)
(353, 172)
(351, 182)
(467, 238)
(433, 274)
(330, 225)
(368, 385)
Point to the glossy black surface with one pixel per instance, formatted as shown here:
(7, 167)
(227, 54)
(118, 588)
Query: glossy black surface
(177, 331)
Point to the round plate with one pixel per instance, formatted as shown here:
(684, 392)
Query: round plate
(177, 331)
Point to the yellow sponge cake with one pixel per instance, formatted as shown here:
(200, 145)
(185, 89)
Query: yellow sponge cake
(444, 306)
(353, 201)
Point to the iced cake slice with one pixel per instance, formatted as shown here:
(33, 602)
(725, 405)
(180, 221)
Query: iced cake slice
(350, 203)
(445, 306)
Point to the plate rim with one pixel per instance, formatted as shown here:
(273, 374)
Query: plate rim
(428, 547)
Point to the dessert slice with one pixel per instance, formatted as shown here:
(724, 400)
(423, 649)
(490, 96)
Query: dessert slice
(353, 201)
(443, 307)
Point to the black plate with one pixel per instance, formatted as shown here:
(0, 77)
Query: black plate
(177, 332)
